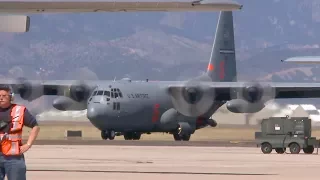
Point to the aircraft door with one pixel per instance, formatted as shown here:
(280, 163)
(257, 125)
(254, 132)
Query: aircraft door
(116, 95)
(116, 106)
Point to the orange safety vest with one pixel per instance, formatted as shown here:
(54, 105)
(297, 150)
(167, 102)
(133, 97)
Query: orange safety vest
(11, 142)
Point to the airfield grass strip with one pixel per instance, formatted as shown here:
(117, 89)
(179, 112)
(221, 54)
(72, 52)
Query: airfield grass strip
(56, 131)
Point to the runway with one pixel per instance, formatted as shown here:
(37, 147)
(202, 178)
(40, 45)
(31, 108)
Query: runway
(96, 162)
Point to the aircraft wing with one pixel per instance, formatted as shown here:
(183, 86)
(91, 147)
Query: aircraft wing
(276, 90)
(303, 59)
(75, 6)
(32, 89)
(196, 98)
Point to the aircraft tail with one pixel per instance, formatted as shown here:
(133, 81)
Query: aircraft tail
(222, 66)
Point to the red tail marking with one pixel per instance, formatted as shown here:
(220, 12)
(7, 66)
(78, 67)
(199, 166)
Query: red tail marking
(221, 70)
(210, 67)
(156, 113)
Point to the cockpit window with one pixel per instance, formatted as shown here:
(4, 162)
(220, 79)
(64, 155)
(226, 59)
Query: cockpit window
(94, 93)
(107, 93)
(115, 93)
(100, 93)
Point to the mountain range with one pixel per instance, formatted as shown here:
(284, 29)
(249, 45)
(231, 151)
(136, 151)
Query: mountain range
(164, 45)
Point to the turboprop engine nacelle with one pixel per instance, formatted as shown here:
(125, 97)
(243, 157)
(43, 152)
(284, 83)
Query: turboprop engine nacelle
(251, 99)
(242, 106)
(67, 104)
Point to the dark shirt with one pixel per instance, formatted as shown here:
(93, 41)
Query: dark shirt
(29, 120)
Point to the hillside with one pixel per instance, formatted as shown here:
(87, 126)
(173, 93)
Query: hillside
(164, 46)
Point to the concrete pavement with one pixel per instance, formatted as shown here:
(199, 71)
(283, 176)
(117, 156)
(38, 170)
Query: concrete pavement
(165, 162)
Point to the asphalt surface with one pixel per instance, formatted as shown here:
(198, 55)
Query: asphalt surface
(147, 143)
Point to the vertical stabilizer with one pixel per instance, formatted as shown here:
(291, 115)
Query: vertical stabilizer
(222, 65)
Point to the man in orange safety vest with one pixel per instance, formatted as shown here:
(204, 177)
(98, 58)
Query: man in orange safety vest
(13, 118)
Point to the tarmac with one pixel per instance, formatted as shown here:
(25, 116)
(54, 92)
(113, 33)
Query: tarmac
(75, 141)
(119, 159)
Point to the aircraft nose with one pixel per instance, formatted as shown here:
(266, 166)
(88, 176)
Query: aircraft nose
(93, 112)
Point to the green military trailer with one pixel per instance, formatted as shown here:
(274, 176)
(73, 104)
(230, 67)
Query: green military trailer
(278, 133)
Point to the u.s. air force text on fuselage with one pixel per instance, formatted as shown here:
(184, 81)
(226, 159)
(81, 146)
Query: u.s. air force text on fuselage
(138, 95)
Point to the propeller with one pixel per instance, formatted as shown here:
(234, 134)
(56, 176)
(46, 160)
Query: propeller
(251, 97)
(78, 92)
(26, 89)
(193, 98)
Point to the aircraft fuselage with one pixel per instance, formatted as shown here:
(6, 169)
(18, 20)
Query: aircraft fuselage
(134, 107)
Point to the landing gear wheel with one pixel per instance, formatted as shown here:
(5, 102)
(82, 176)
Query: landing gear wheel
(308, 150)
(280, 150)
(266, 148)
(111, 134)
(183, 137)
(295, 148)
(104, 135)
(108, 135)
(136, 136)
(176, 137)
(127, 136)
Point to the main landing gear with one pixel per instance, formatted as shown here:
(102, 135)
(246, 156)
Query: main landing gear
(182, 133)
(108, 134)
(181, 137)
(178, 135)
(132, 135)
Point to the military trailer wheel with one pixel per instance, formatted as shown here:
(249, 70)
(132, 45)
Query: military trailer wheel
(280, 150)
(308, 150)
(266, 148)
(294, 148)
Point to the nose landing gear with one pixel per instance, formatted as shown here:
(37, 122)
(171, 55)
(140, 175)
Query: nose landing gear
(108, 134)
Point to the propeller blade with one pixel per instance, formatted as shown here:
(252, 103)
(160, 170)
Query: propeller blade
(193, 99)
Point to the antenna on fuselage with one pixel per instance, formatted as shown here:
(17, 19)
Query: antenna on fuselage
(115, 78)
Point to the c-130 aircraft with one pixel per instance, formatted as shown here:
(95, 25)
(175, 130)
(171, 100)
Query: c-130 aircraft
(177, 107)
